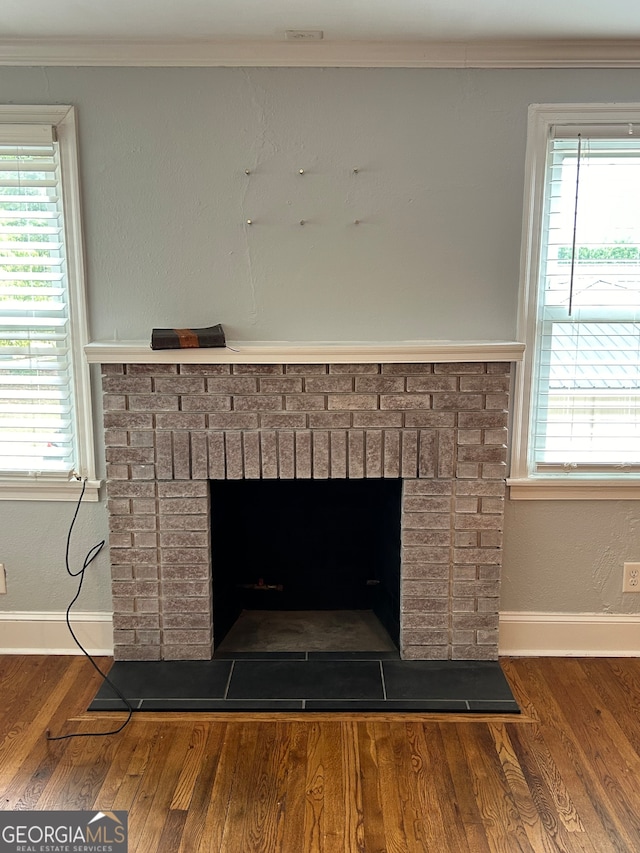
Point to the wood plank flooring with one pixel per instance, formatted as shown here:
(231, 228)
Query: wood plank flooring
(563, 776)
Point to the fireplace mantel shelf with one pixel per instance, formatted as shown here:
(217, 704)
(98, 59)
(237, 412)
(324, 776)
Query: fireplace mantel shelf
(288, 352)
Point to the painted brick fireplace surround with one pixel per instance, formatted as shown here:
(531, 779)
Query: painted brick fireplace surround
(171, 428)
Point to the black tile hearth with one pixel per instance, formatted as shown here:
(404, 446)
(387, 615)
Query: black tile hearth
(354, 655)
(467, 680)
(224, 705)
(163, 681)
(313, 681)
(389, 705)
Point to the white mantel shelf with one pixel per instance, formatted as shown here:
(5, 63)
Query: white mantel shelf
(286, 352)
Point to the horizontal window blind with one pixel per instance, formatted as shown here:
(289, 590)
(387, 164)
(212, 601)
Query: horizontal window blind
(36, 382)
(587, 378)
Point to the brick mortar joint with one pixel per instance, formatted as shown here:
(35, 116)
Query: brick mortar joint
(311, 431)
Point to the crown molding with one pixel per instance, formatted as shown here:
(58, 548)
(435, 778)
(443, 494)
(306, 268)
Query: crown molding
(345, 54)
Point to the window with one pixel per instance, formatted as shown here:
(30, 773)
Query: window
(578, 395)
(45, 423)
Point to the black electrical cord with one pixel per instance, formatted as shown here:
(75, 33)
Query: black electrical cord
(91, 555)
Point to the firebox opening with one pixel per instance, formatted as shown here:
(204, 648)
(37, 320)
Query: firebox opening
(296, 546)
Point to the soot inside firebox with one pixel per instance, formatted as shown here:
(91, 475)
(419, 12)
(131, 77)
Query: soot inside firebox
(296, 545)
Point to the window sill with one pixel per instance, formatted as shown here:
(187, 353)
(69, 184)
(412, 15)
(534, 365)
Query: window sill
(28, 489)
(552, 489)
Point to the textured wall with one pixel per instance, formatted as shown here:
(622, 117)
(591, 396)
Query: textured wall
(32, 547)
(567, 556)
(439, 196)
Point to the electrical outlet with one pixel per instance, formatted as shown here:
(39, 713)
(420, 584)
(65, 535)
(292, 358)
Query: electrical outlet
(631, 577)
(3, 580)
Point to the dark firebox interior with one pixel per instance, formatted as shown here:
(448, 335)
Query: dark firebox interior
(305, 545)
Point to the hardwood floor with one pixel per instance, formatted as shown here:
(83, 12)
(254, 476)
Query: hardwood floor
(564, 776)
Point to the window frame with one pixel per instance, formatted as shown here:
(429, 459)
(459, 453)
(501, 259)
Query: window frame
(523, 483)
(54, 486)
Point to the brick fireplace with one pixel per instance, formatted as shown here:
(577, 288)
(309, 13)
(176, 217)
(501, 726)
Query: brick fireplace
(440, 427)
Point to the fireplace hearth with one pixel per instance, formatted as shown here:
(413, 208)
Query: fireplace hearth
(174, 432)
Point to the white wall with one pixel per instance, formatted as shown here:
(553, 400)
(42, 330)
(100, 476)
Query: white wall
(440, 155)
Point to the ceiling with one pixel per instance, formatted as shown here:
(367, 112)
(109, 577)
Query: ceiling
(259, 26)
(343, 20)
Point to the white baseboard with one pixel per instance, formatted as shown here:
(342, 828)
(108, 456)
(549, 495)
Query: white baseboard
(521, 634)
(569, 634)
(29, 633)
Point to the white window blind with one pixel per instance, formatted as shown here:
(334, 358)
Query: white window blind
(37, 414)
(586, 378)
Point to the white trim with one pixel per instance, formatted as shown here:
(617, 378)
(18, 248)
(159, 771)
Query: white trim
(541, 118)
(34, 489)
(289, 352)
(619, 53)
(33, 114)
(62, 119)
(547, 489)
(528, 634)
(31, 134)
(569, 634)
(33, 633)
(78, 325)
